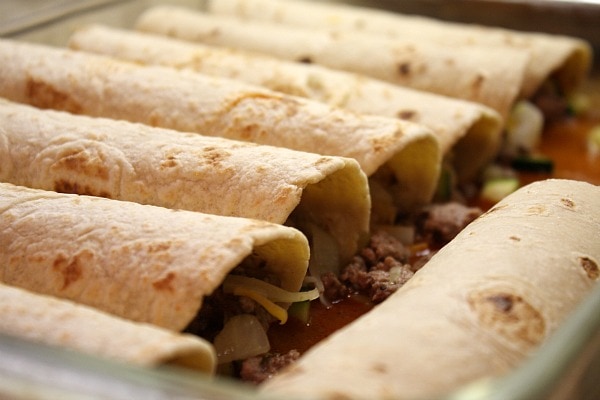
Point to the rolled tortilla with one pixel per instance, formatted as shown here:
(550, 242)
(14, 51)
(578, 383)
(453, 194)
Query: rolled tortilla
(567, 58)
(476, 74)
(480, 306)
(62, 323)
(96, 85)
(139, 262)
(54, 150)
(470, 131)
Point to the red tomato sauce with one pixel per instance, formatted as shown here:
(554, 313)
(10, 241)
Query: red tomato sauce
(323, 321)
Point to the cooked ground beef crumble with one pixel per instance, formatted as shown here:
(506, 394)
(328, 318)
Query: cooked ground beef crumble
(376, 272)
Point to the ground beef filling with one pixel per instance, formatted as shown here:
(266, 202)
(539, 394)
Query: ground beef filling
(219, 307)
(259, 369)
(386, 263)
(376, 272)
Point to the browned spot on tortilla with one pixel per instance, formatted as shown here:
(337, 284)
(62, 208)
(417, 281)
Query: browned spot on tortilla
(169, 162)
(509, 315)
(515, 238)
(269, 100)
(380, 368)
(478, 82)
(165, 283)
(86, 162)
(590, 267)
(568, 203)
(214, 156)
(407, 114)
(71, 270)
(404, 68)
(247, 132)
(304, 59)
(159, 247)
(154, 118)
(64, 186)
(43, 95)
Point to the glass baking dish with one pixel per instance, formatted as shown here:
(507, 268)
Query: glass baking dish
(566, 367)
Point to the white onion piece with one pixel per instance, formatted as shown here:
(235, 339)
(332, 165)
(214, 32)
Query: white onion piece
(524, 128)
(242, 337)
(325, 254)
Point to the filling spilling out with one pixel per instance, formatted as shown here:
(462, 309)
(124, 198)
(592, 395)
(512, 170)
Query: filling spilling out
(257, 329)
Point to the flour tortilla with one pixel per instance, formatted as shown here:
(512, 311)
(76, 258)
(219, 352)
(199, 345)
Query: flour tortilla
(470, 131)
(96, 85)
(62, 323)
(476, 74)
(139, 262)
(568, 58)
(54, 150)
(477, 309)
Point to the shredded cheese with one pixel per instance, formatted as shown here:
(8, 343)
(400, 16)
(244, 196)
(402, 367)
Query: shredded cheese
(278, 312)
(266, 294)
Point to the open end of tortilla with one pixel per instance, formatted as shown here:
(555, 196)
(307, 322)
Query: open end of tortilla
(576, 67)
(479, 145)
(416, 169)
(566, 63)
(286, 257)
(256, 293)
(196, 355)
(340, 205)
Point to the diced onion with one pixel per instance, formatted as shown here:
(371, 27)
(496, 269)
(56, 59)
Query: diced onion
(324, 257)
(593, 141)
(325, 254)
(396, 273)
(242, 336)
(495, 190)
(579, 103)
(523, 128)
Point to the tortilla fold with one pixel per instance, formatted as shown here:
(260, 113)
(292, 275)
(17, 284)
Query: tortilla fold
(477, 309)
(139, 262)
(469, 130)
(56, 322)
(476, 74)
(58, 151)
(95, 85)
(568, 58)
